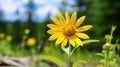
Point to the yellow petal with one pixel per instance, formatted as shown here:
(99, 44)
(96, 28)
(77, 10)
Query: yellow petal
(54, 36)
(79, 21)
(64, 43)
(53, 31)
(60, 39)
(55, 20)
(51, 26)
(79, 42)
(72, 42)
(61, 18)
(84, 28)
(82, 35)
(67, 17)
(73, 18)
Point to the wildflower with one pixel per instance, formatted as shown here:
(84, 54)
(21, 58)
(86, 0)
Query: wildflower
(46, 49)
(9, 38)
(31, 42)
(27, 31)
(2, 35)
(68, 30)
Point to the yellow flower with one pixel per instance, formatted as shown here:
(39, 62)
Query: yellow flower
(2, 35)
(31, 42)
(27, 31)
(9, 38)
(46, 49)
(68, 30)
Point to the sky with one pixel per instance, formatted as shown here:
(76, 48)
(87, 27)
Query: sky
(43, 8)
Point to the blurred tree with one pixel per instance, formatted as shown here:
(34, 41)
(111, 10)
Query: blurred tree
(30, 24)
(105, 14)
(102, 14)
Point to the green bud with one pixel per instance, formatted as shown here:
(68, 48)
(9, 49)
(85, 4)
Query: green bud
(113, 27)
(108, 37)
(107, 46)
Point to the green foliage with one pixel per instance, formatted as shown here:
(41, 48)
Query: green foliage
(90, 41)
(108, 53)
(5, 48)
(78, 62)
(50, 58)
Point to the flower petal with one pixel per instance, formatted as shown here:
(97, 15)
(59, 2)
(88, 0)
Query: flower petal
(55, 21)
(53, 31)
(52, 26)
(79, 42)
(79, 21)
(73, 18)
(63, 44)
(59, 40)
(72, 42)
(82, 35)
(54, 36)
(61, 18)
(84, 28)
(67, 17)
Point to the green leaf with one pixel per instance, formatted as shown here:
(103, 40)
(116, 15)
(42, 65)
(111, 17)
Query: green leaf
(66, 50)
(75, 64)
(50, 58)
(89, 41)
(100, 54)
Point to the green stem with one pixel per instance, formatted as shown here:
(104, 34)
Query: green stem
(69, 55)
(73, 50)
(107, 59)
(23, 44)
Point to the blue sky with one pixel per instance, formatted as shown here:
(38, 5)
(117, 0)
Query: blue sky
(43, 7)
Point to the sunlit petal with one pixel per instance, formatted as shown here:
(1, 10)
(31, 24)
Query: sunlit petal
(84, 28)
(82, 35)
(61, 18)
(78, 41)
(54, 36)
(53, 31)
(72, 42)
(67, 17)
(79, 21)
(55, 20)
(73, 18)
(59, 40)
(63, 44)
(52, 26)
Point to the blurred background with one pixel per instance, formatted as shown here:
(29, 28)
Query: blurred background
(18, 15)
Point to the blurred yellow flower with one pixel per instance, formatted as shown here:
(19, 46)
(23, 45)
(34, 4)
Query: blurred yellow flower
(46, 49)
(9, 38)
(2, 35)
(31, 42)
(27, 31)
(68, 30)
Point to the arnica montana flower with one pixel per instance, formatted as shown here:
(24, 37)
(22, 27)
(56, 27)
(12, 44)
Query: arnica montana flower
(9, 38)
(31, 41)
(27, 31)
(2, 35)
(68, 30)
(46, 49)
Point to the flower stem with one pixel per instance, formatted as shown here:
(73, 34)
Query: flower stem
(107, 59)
(69, 55)
(23, 44)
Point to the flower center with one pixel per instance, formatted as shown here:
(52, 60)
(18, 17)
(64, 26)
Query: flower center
(69, 31)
